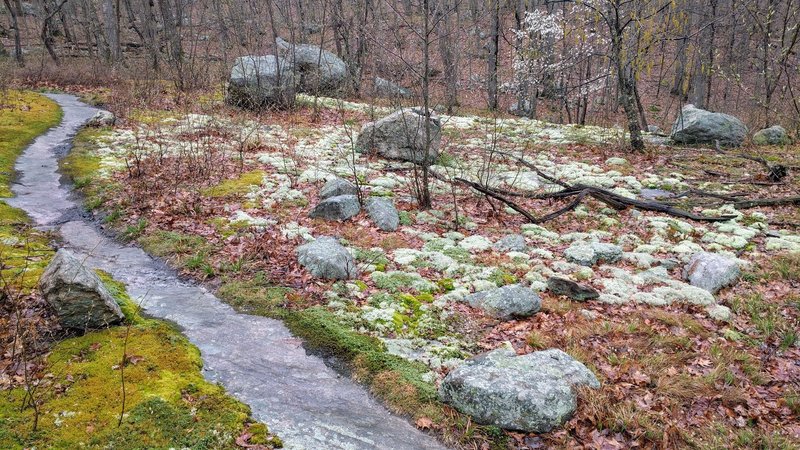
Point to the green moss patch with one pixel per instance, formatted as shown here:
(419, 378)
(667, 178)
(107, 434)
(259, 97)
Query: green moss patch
(236, 186)
(168, 403)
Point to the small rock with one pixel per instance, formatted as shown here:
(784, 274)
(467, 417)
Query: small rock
(511, 243)
(506, 302)
(775, 135)
(340, 207)
(337, 186)
(78, 296)
(531, 393)
(711, 271)
(383, 213)
(588, 314)
(616, 161)
(653, 129)
(102, 119)
(571, 289)
(326, 258)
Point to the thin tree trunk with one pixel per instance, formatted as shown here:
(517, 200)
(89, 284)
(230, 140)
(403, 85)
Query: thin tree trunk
(492, 60)
(15, 26)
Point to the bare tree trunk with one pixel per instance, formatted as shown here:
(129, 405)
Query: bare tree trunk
(111, 25)
(492, 60)
(444, 31)
(15, 26)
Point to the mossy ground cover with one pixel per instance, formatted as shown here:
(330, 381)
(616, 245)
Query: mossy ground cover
(168, 403)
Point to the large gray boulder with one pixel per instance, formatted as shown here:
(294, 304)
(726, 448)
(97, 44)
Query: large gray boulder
(389, 89)
(711, 271)
(383, 213)
(402, 135)
(775, 135)
(506, 302)
(340, 207)
(531, 393)
(698, 126)
(337, 186)
(319, 71)
(326, 258)
(78, 296)
(261, 81)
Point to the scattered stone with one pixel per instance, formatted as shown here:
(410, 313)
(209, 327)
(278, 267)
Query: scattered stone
(319, 71)
(402, 135)
(711, 271)
(261, 81)
(589, 254)
(531, 393)
(340, 207)
(102, 118)
(775, 135)
(655, 129)
(719, 312)
(336, 187)
(76, 293)
(588, 314)
(506, 302)
(326, 258)
(389, 89)
(383, 213)
(511, 243)
(571, 289)
(698, 126)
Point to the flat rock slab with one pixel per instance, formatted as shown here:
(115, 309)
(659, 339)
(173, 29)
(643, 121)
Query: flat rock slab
(78, 296)
(711, 271)
(511, 243)
(507, 302)
(592, 253)
(571, 289)
(256, 359)
(532, 393)
(327, 258)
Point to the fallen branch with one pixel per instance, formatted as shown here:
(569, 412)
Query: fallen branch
(746, 204)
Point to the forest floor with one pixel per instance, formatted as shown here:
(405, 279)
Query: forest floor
(224, 196)
(56, 387)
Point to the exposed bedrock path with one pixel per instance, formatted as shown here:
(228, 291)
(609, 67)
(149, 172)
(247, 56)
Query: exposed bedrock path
(257, 359)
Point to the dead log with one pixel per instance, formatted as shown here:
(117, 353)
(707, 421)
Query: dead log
(746, 204)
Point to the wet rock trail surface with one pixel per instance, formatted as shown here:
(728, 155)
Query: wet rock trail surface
(256, 359)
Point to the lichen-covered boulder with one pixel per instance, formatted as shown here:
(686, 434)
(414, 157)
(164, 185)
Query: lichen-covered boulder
(402, 135)
(571, 289)
(340, 207)
(711, 271)
(261, 81)
(511, 243)
(506, 302)
(102, 118)
(78, 296)
(383, 213)
(319, 71)
(775, 135)
(698, 126)
(326, 258)
(531, 393)
(389, 89)
(337, 186)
